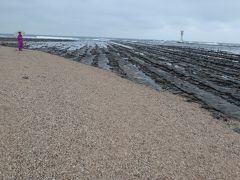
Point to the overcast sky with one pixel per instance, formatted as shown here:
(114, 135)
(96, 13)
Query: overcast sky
(202, 20)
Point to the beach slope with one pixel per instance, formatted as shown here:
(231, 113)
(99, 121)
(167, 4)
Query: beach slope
(64, 120)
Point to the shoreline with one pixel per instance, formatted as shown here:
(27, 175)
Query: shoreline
(187, 73)
(66, 120)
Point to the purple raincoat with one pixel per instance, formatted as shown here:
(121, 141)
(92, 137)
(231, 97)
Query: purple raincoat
(20, 42)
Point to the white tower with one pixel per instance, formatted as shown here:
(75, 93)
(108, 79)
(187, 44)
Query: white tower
(182, 34)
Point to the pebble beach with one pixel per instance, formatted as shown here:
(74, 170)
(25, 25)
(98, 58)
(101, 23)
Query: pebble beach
(60, 119)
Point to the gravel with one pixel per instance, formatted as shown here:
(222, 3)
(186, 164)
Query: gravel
(72, 121)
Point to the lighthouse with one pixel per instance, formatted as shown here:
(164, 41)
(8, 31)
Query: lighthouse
(182, 34)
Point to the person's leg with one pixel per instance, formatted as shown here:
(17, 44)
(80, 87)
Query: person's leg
(20, 46)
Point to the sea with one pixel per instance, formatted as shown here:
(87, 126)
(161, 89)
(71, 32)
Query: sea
(216, 46)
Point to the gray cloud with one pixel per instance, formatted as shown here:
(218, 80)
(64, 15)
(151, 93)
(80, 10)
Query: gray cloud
(205, 20)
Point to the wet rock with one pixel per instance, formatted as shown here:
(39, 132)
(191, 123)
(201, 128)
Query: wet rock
(237, 130)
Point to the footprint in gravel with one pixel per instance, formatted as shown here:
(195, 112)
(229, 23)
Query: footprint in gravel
(25, 77)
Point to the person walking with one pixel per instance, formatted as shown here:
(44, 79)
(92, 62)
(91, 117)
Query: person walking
(20, 41)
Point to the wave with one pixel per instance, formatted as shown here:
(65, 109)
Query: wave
(56, 38)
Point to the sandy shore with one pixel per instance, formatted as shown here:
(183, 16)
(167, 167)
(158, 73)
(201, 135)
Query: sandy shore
(64, 120)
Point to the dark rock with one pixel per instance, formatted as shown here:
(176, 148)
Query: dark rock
(216, 115)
